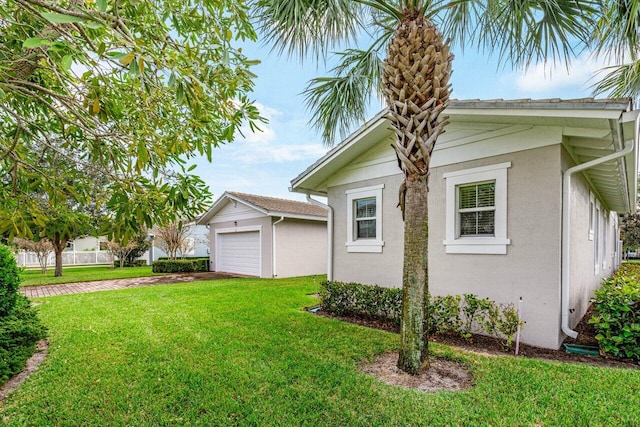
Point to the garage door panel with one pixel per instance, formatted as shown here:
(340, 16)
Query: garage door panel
(239, 253)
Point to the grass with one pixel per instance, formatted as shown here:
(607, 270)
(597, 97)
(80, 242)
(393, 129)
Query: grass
(83, 274)
(243, 352)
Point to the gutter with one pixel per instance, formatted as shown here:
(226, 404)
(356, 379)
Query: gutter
(273, 246)
(329, 234)
(566, 219)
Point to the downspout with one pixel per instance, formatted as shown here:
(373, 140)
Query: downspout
(273, 246)
(329, 234)
(566, 220)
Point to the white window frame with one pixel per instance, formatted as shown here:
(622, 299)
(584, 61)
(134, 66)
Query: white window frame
(596, 238)
(592, 214)
(497, 244)
(354, 244)
(605, 237)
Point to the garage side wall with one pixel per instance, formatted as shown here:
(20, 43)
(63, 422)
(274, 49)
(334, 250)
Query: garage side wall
(301, 248)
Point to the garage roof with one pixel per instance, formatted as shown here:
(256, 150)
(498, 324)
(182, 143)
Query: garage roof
(271, 206)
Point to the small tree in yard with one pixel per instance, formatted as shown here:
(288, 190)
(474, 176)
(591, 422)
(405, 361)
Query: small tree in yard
(128, 250)
(42, 248)
(174, 239)
(120, 251)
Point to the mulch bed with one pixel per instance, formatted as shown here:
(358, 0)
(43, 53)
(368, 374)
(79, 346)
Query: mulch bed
(488, 345)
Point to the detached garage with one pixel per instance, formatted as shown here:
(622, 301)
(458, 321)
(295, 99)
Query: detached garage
(266, 236)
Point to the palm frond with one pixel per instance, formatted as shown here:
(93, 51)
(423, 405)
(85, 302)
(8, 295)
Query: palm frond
(522, 32)
(618, 32)
(620, 81)
(300, 27)
(338, 103)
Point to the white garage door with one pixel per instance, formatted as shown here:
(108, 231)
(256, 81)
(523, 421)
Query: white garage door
(239, 253)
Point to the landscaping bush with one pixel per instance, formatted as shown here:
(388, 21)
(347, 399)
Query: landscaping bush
(9, 280)
(455, 314)
(199, 263)
(175, 266)
(20, 328)
(19, 332)
(366, 301)
(616, 317)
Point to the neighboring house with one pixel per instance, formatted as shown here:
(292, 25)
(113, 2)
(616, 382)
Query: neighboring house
(500, 224)
(197, 241)
(266, 237)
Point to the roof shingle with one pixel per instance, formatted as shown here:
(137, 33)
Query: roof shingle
(276, 205)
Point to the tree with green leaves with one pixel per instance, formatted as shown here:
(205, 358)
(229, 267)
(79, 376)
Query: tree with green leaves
(129, 90)
(408, 64)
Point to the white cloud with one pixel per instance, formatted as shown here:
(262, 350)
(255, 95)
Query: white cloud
(542, 79)
(266, 133)
(279, 153)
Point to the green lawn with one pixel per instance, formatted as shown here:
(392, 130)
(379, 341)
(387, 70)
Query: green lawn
(242, 352)
(83, 274)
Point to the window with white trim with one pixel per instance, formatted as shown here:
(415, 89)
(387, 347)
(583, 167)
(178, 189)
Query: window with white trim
(364, 219)
(476, 210)
(596, 239)
(592, 213)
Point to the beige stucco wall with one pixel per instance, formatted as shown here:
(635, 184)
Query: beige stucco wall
(301, 247)
(531, 267)
(384, 269)
(583, 277)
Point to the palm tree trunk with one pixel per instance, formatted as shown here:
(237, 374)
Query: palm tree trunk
(414, 331)
(416, 87)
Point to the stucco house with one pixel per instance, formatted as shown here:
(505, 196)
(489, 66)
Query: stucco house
(266, 236)
(524, 197)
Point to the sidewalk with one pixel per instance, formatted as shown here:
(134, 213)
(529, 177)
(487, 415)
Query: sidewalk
(110, 285)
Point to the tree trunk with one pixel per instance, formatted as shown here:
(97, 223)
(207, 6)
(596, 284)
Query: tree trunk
(416, 88)
(58, 247)
(414, 337)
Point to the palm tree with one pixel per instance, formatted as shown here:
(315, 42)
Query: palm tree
(618, 40)
(413, 79)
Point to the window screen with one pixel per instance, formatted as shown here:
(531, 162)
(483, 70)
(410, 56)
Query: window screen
(476, 209)
(365, 218)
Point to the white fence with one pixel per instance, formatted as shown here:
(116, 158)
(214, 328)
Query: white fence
(29, 259)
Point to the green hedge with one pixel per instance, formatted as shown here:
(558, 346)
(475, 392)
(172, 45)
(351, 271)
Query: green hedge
(366, 301)
(19, 333)
(180, 265)
(616, 317)
(9, 281)
(447, 314)
(20, 328)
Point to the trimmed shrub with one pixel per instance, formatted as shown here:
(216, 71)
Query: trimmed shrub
(9, 281)
(616, 316)
(366, 301)
(447, 314)
(20, 328)
(199, 263)
(19, 333)
(175, 266)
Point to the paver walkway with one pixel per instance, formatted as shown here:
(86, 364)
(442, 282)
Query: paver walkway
(109, 285)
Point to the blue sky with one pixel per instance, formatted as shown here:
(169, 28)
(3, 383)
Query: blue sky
(265, 163)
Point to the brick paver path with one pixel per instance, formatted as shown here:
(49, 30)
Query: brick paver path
(109, 285)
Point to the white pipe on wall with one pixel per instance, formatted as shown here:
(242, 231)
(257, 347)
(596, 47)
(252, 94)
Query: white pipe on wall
(273, 246)
(329, 234)
(566, 220)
